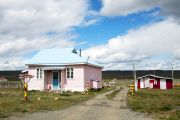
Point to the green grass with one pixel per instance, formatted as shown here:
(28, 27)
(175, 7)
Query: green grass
(161, 103)
(12, 101)
(114, 93)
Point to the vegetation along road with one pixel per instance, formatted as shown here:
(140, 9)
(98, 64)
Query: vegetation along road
(107, 106)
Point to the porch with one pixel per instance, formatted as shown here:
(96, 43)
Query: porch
(54, 78)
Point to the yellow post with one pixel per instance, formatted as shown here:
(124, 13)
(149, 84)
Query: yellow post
(131, 89)
(25, 91)
(25, 78)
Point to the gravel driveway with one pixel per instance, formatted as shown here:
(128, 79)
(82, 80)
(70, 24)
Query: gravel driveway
(98, 108)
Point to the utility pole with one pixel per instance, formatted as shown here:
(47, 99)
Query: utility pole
(87, 59)
(173, 76)
(135, 81)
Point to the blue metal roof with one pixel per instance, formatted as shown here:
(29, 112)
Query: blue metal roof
(62, 56)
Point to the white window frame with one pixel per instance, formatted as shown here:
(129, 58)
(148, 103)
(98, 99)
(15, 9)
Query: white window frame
(39, 73)
(71, 73)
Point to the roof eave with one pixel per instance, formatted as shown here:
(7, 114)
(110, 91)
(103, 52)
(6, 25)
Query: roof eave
(80, 63)
(154, 76)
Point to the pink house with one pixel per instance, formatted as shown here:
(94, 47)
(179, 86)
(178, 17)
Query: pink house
(61, 69)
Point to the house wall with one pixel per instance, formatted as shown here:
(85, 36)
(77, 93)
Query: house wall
(48, 80)
(63, 79)
(151, 83)
(77, 82)
(81, 76)
(34, 83)
(139, 83)
(169, 84)
(92, 73)
(46, 83)
(157, 83)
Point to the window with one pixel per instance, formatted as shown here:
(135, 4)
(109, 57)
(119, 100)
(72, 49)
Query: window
(39, 73)
(37, 76)
(69, 72)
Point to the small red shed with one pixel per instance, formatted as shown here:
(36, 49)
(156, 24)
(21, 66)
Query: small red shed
(156, 82)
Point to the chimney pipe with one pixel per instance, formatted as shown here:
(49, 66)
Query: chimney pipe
(80, 52)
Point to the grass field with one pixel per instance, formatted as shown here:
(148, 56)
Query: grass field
(12, 101)
(165, 104)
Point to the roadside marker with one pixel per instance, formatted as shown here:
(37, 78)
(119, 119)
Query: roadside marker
(25, 78)
(131, 89)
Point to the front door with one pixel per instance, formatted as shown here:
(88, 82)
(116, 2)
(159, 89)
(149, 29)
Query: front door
(56, 80)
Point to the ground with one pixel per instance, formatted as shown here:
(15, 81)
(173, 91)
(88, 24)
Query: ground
(97, 108)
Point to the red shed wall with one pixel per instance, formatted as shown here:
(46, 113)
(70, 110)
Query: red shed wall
(169, 84)
(138, 83)
(158, 83)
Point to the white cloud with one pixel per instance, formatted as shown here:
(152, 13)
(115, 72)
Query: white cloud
(126, 7)
(139, 44)
(14, 64)
(30, 25)
(37, 17)
(91, 18)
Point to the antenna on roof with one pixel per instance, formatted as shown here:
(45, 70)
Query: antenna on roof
(74, 51)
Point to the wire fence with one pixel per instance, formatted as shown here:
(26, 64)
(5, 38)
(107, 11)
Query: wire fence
(10, 84)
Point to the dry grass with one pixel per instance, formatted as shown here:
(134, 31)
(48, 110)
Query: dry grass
(124, 82)
(12, 101)
(162, 103)
(114, 93)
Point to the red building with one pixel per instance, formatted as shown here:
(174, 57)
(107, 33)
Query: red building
(156, 82)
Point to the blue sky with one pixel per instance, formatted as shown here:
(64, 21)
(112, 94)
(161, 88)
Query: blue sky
(107, 28)
(108, 31)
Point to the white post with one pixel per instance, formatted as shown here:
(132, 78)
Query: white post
(135, 81)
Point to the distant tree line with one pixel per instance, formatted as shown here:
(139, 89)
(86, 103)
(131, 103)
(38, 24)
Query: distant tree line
(123, 74)
(109, 74)
(11, 75)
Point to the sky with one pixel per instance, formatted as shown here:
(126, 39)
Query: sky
(114, 33)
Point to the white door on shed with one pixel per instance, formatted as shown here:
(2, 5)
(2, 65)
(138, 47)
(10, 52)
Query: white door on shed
(141, 83)
(150, 85)
(162, 84)
(147, 82)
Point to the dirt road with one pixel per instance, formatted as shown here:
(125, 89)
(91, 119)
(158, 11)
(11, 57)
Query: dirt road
(98, 108)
